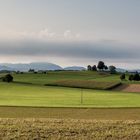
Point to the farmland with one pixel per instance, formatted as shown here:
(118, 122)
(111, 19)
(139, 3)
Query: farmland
(36, 110)
(32, 95)
(31, 90)
(55, 76)
(68, 129)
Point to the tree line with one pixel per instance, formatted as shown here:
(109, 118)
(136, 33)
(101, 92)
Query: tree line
(131, 77)
(102, 67)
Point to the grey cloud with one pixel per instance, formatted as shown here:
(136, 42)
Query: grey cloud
(106, 49)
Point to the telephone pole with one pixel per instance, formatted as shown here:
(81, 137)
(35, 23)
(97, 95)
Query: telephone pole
(81, 96)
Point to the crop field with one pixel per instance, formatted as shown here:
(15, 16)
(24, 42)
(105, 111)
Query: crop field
(68, 129)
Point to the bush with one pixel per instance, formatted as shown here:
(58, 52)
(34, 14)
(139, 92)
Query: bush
(136, 77)
(7, 78)
(112, 69)
(122, 77)
(131, 77)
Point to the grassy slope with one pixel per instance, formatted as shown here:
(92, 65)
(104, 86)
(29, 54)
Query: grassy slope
(85, 79)
(57, 76)
(27, 95)
(69, 75)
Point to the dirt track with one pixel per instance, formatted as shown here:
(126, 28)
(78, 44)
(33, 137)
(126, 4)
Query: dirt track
(129, 88)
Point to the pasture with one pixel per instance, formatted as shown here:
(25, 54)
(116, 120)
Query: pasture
(13, 94)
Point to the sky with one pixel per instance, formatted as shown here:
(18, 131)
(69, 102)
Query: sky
(70, 32)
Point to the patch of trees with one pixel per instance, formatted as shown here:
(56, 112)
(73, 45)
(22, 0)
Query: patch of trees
(102, 67)
(7, 78)
(91, 68)
(19, 72)
(31, 70)
(132, 77)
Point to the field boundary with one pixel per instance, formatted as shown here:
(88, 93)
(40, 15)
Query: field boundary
(76, 107)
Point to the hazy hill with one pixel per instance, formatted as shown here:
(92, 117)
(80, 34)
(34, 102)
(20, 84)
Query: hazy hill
(3, 68)
(78, 68)
(36, 66)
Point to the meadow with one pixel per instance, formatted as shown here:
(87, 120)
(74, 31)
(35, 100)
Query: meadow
(13, 94)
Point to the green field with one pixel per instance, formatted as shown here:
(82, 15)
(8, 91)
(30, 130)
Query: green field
(34, 95)
(28, 90)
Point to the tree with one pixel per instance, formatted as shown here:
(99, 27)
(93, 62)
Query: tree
(89, 68)
(106, 67)
(131, 77)
(122, 77)
(94, 68)
(101, 65)
(8, 78)
(112, 69)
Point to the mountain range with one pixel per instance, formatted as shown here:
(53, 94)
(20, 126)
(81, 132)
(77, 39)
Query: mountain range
(36, 66)
(46, 66)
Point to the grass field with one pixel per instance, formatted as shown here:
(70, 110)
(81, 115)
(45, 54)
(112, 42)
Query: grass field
(33, 95)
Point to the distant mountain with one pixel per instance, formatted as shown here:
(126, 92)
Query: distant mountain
(135, 70)
(5, 68)
(36, 66)
(124, 70)
(78, 68)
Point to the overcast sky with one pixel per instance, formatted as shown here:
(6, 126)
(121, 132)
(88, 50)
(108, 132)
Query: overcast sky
(70, 32)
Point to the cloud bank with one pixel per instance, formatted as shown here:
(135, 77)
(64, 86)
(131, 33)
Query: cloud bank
(98, 50)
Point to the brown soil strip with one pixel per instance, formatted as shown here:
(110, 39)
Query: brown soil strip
(71, 113)
(129, 88)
